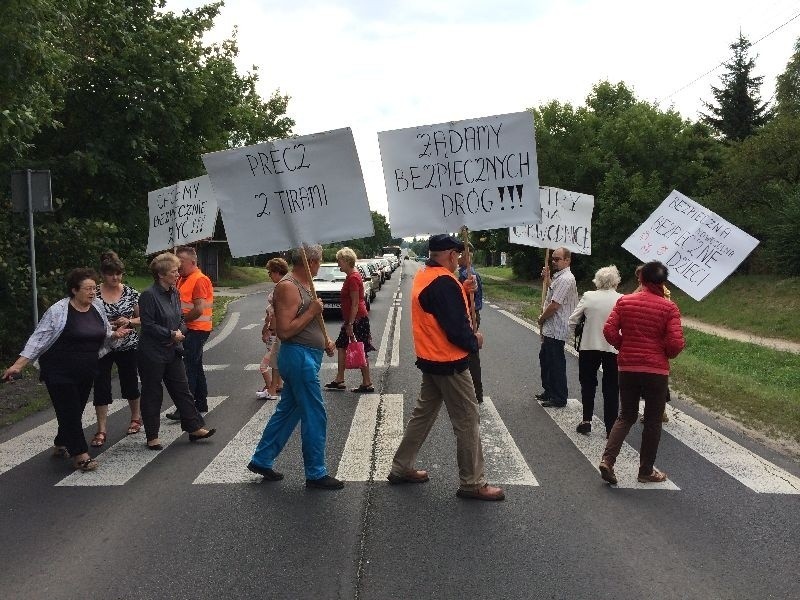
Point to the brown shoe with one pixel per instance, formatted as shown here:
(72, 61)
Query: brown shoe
(410, 476)
(607, 473)
(487, 492)
(655, 476)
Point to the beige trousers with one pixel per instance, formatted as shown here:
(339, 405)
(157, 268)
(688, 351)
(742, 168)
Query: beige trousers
(458, 395)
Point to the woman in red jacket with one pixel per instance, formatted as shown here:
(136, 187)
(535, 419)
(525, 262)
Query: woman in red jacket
(646, 329)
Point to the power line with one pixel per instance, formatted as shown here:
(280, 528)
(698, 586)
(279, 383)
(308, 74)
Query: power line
(693, 81)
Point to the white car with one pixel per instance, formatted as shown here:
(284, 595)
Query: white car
(328, 285)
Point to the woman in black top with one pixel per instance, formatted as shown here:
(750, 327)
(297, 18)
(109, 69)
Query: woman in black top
(68, 341)
(160, 354)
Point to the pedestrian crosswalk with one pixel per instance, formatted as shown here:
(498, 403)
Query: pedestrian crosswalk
(375, 431)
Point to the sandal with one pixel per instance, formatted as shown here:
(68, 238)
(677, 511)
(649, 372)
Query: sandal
(89, 464)
(655, 476)
(336, 385)
(135, 426)
(363, 389)
(60, 452)
(99, 439)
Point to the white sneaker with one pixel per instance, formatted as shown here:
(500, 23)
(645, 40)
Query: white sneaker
(263, 395)
(268, 396)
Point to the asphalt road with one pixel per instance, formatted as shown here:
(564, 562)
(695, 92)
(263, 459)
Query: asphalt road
(193, 523)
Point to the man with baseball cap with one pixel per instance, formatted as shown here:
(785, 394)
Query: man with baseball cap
(443, 341)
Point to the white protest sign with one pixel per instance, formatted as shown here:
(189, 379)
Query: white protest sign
(566, 222)
(699, 247)
(277, 195)
(181, 214)
(479, 173)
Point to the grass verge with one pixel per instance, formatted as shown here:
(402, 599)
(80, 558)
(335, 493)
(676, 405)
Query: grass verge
(757, 386)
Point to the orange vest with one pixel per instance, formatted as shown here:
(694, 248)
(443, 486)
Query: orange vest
(430, 341)
(186, 288)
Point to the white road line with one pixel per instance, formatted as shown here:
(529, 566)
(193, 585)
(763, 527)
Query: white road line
(504, 461)
(230, 465)
(396, 338)
(519, 320)
(25, 446)
(568, 346)
(257, 366)
(592, 446)
(128, 456)
(356, 459)
(494, 306)
(233, 320)
(758, 474)
(252, 325)
(387, 329)
(215, 367)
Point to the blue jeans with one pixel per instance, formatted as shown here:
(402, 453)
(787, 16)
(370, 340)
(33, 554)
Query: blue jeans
(193, 360)
(554, 370)
(301, 400)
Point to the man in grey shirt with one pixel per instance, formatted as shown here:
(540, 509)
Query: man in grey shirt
(561, 300)
(303, 340)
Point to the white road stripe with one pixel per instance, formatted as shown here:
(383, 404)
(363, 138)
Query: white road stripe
(493, 306)
(252, 325)
(758, 474)
(387, 329)
(592, 446)
(215, 367)
(127, 457)
(230, 465)
(396, 339)
(233, 320)
(257, 366)
(356, 460)
(504, 461)
(25, 446)
(519, 320)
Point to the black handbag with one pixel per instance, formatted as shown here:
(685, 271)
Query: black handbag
(579, 331)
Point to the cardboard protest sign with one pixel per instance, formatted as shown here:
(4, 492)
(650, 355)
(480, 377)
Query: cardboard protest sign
(699, 247)
(277, 195)
(181, 214)
(566, 222)
(479, 173)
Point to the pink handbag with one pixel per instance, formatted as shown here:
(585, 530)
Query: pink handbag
(354, 356)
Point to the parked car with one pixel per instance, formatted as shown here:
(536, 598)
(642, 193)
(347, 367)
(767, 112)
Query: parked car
(374, 273)
(387, 269)
(328, 285)
(369, 291)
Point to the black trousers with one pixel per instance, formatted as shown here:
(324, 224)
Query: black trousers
(589, 361)
(69, 399)
(553, 365)
(173, 375)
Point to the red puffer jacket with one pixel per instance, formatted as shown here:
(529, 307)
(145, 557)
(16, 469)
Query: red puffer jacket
(646, 329)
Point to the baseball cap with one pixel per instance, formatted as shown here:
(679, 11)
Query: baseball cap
(442, 241)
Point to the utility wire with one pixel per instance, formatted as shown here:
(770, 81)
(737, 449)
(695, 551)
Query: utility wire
(693, 81)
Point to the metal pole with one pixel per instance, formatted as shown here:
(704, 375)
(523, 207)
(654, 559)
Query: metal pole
(34, 295)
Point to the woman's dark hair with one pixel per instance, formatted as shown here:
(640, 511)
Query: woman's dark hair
(77, 276)
(110, 264)
(654, 272)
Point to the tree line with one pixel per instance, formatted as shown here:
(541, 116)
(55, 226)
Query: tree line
(118, 98)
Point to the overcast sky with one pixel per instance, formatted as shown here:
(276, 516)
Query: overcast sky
(376, 65)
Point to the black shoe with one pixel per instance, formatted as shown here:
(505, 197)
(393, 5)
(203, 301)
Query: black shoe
(584, 427)
(325, 483)
(174, 416)
(155, 447)
(551, 404)
(203, 408)
(208, 434)
(541, 397)
(267, 474)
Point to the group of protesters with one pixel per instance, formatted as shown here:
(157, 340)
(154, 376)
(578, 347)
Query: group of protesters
(155, 337)
(158, 336)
